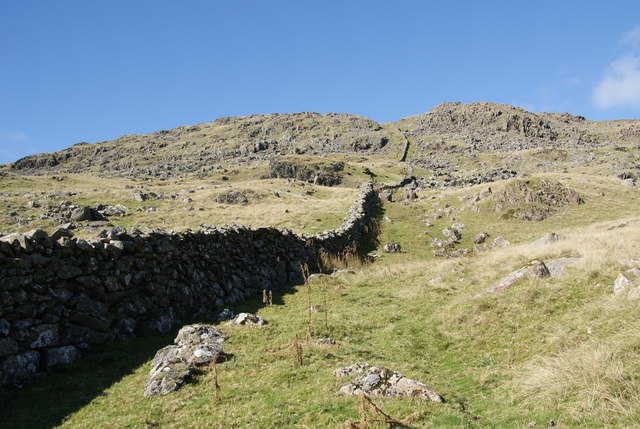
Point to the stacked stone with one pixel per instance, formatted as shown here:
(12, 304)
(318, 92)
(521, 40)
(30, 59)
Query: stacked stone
(59, 296)
(349, 233)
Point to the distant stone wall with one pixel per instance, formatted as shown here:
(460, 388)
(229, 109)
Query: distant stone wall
(59, 296)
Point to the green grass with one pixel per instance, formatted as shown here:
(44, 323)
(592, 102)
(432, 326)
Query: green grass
(562, 350)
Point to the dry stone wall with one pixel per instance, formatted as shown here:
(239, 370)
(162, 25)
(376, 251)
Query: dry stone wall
(59, 296)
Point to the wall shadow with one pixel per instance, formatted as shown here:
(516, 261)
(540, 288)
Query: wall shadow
(48, 400)
(370, 241)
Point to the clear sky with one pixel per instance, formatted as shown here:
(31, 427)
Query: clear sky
(73, 71)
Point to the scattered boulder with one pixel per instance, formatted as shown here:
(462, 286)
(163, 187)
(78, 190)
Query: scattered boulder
(386, 196)
(481, 238)
(635, 271)
(338, 271)
(621, 285)
(634, 294)
(247, 319)
(500, 242)
(556, 266)
(325, 342)
(451, 234)
(117, 210)
(318, 172)
(548, 238)
(232, 197)
(392, 248)
(534, 199)
(349, 370)
(380, 382)
(534, 269)
(223, 315)
(85, 214)
(173, 366)
(139, 196)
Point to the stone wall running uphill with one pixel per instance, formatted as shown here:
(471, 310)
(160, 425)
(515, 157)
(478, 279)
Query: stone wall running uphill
(59, 296)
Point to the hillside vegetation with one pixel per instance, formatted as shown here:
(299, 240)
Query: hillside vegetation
(560, 350)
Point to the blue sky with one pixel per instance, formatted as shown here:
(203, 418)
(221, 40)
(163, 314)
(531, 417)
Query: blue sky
(73, 71)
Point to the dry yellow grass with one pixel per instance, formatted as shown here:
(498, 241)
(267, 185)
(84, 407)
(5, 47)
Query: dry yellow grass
(273, 202)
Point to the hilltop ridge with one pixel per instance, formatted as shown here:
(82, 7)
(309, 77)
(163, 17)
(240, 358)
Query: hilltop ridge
(467, 129)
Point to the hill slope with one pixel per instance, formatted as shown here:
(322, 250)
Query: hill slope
(441, 139)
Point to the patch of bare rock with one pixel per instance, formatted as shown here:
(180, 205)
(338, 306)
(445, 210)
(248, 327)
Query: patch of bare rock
(548, 238)
(381, 382)
(628, 283)
(557, 266)
(173, 366)
(534, 199)
(534, 269)
(392, 248)
(246, 319)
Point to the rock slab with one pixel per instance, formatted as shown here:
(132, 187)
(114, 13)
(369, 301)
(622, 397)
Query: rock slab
(173, 366)
(534, 269)
(380, 382)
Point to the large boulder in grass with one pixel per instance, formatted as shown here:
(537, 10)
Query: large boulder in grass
(392, 248)
(548, 238)
(556, 266)
(247, 319)
(85, 214)
(173, 366)
(380, 382)
(534, 269)
(621, 285)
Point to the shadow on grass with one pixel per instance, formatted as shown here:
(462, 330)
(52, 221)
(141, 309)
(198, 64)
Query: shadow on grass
(49, 400)
(370, 241)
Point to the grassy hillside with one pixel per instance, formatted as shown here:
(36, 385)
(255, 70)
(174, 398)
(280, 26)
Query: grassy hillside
(554, 351)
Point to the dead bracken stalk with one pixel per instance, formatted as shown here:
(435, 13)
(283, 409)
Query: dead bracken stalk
(365, 422)
(213, 365)
(326, 308)
(348, 258)
(305, 274)
(296, 351)
(267, 297)
(304, 270)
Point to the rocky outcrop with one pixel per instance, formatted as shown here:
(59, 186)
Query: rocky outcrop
(173, 366)
(306, 170)
(534, 199)
(246, 319)
(392, 248)
(225, 142)
(557, 266)
(534, 269)
(548, 238)
(479, 121)
(70, 292)
(380, 382)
